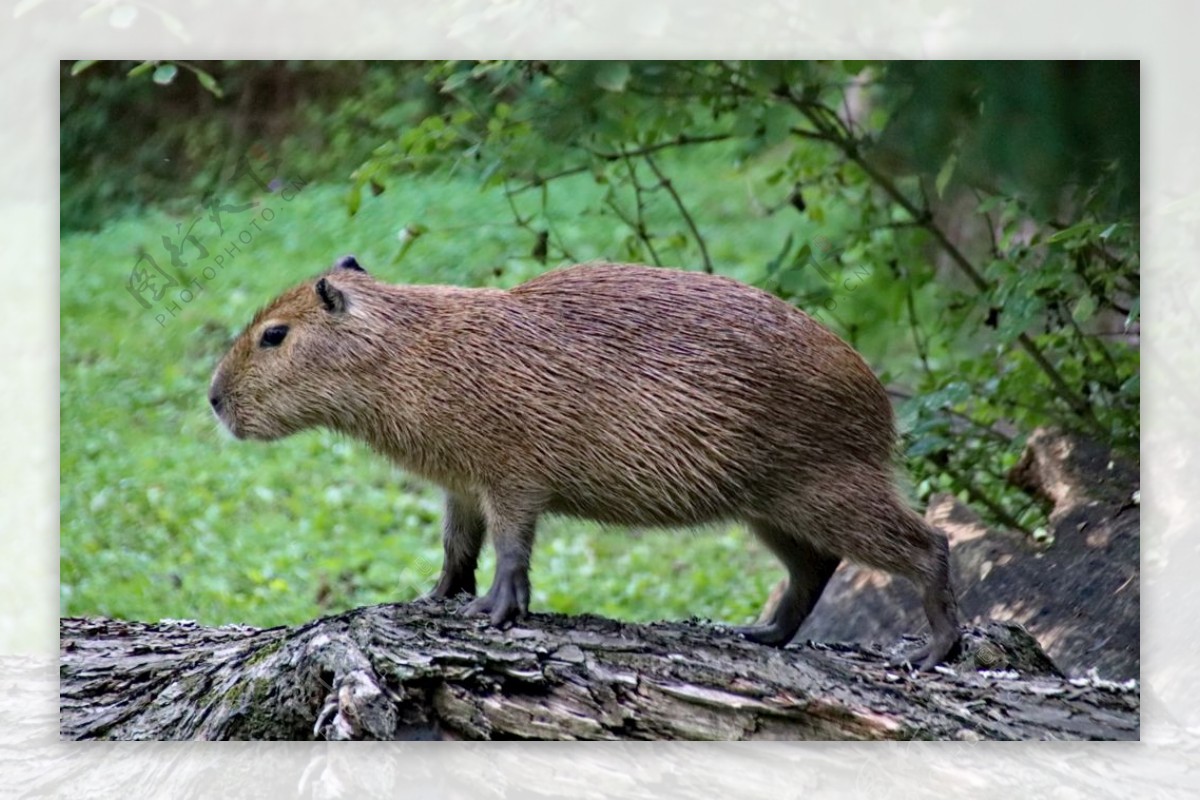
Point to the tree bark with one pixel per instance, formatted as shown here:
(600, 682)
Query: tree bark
(422, 671)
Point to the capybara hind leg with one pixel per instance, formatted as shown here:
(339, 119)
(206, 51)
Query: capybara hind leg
(858, 514)
(512, 529)
(940, 608)
(896, 539)
(809, 571)
(463, 530)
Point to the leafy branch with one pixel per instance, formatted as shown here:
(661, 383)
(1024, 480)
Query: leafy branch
(838, 134)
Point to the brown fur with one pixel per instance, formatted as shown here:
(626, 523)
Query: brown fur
(618, 393)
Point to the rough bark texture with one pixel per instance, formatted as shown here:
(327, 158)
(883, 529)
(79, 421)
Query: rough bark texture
(1080, 597)
(421, 671)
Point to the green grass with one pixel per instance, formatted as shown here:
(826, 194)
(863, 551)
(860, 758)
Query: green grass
(163, 515)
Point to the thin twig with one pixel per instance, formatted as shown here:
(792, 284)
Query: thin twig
(517, 218)
(915, 327)
(691, 223)
(562, 245)
(1114, 380)
(526, 222)
(994, 431)
(682, 140)
(991, 227)
(810, 134)
(640, 197)
(636, 223)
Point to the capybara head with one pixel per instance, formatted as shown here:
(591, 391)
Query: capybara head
(289, 369)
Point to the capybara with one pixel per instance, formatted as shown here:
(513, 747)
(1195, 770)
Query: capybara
(618, 393)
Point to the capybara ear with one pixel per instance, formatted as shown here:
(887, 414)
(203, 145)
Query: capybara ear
(348, 262)
(333, 298)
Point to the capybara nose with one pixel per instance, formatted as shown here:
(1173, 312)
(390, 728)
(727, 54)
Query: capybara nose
(215, 400)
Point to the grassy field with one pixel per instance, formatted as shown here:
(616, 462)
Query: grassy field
(165, 516)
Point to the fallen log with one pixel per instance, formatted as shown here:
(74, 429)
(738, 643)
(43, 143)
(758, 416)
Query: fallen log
(421, 671)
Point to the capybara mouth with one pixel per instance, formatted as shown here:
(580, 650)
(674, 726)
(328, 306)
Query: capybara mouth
(230, 424)
(223, 410)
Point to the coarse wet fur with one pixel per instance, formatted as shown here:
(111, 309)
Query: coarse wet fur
(617, 393)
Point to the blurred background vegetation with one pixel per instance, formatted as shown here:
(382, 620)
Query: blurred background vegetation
(971, 227)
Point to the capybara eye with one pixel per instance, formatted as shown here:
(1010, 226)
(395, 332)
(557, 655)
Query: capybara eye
(273, 336)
